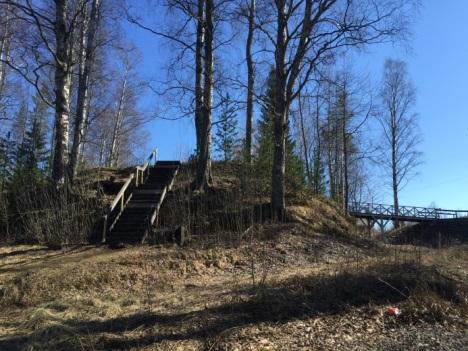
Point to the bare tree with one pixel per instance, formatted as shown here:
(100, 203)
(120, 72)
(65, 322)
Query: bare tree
(5, 41)
(400, 137)
(306, 32)
(50, 49)
(353, 108)
(11, 32)
(63, 67)
(349, 105)
(304, 132)
(194, 30)
(251, 8)
(204, 176)
(86, 62)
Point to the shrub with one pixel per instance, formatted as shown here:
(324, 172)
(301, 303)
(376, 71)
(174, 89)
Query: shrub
(56, 217)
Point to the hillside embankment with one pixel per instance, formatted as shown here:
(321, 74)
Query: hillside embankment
(312, 283)
(444, 232)
(284, 287)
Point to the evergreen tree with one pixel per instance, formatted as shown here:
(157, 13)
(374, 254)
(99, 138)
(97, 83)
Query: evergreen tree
(32, 153)
(226, 137)
(264, 154)
(317, 181)
(7, 156)
(20, 122)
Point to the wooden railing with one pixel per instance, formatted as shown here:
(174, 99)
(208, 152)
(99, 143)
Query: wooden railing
(371, 210)
(117, 206)
(153, 215)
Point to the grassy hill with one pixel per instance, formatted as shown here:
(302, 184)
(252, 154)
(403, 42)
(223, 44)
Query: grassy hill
(310, 283)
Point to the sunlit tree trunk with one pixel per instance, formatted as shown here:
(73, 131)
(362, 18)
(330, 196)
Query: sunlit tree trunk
(119, 116)
(86, 62)
(4, 49)
(199, 74)
(305, 145)
(62, 92)
(203, 179)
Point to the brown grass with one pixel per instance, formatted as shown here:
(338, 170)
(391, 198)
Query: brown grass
(204, 298)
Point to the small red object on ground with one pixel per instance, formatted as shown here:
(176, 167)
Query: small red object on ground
(393, 311)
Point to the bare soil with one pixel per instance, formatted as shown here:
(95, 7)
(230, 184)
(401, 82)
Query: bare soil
(285, 287)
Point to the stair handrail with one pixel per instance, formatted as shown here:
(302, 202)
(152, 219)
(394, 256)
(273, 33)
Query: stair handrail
(153, 215)
(124, 195)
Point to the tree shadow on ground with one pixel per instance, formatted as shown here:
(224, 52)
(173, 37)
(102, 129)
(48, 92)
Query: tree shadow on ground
(296, 298)
(23, 252)
(54, 256)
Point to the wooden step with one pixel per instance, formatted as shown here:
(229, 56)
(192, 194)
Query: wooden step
(131, 226)
(144, 204)
(150, 191)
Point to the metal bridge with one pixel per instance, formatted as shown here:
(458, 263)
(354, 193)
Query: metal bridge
(375, 212)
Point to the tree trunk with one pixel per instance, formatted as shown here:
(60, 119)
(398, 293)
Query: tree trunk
(337, 169)
(199, 74)
(345, 171)
(318, 147)
(204, 177)
(330, 143)
(304, 141)
(102, 148)
(113, 152)
(4, 51)
(281, 110)
(62, 93)
(345, 154)
(86, 62)
(250, 84)
(396, 223)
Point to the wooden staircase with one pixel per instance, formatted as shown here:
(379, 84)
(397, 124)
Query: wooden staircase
(132, 214)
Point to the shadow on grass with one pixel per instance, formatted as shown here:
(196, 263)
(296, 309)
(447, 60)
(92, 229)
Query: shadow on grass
(23, 252)
(296, 298)
(44, 261)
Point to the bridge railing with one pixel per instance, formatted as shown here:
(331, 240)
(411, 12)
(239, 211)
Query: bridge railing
(408, 212)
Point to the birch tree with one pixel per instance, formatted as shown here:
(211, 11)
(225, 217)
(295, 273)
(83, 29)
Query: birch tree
(52, 32)
(399, 155)
(194, 34)
(89, 28)
(5, 41)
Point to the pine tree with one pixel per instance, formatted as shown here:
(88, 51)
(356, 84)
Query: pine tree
(20, 122)
(265, 139)
(226, 137)
(32, 154)
(7, 156)
(317, 181)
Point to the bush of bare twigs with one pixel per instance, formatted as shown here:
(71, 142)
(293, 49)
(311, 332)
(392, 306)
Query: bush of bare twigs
(56, 217)
(4, 225)
(220, 215)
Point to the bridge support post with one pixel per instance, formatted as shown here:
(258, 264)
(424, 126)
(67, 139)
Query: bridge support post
(382, 223)
(369, 223)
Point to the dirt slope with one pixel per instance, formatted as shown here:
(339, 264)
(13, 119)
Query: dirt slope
(285, 287)
(443, 232)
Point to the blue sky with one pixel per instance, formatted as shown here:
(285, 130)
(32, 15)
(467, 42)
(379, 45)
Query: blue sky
(438, 66)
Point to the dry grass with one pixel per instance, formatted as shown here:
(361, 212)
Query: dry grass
(309, 291)
(323, 216)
